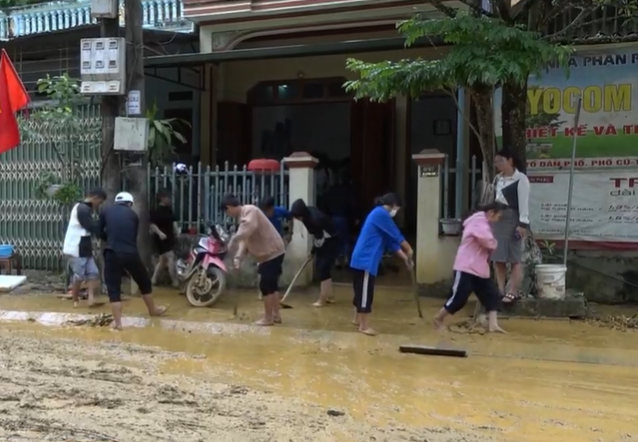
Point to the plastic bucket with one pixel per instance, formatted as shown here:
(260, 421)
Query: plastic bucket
(451, 226)
(550, 281)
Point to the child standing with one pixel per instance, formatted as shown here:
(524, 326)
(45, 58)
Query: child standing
(276, 214)
(472, 268)
(378, 234)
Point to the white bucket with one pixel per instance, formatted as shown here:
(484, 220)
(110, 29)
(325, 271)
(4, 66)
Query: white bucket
(451, 226)
(550, 281)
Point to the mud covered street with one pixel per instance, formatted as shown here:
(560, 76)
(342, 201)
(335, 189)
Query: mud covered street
(70, 390)
(199, 375)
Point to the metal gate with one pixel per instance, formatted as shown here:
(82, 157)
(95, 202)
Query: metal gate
(36, 226)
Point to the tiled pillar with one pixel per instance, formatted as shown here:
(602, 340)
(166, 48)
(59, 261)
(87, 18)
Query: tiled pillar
(428, 244)
(301, 184)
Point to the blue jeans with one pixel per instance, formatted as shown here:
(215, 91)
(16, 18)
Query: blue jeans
(84, 269)
(343, 227)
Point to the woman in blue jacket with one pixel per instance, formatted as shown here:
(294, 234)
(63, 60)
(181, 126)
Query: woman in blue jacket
(378, 234)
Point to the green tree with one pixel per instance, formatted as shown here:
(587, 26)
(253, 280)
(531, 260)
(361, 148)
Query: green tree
(484, 53)
(555, 21)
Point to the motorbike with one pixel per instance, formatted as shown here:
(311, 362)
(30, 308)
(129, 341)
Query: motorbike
(202, 273)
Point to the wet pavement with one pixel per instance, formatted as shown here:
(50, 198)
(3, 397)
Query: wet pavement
(545, 380)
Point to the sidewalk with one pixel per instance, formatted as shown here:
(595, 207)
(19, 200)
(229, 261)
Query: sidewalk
(394, 317)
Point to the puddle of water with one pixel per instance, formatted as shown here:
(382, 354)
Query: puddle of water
(514, 400)
(394, 314)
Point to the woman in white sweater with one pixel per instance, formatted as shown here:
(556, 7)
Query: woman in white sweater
(512, 189)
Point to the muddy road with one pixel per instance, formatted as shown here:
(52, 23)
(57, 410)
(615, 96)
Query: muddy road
(58, 389)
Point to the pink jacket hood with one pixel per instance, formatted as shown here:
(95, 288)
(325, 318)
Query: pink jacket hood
(477, 244)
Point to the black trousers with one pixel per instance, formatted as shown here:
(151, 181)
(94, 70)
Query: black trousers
(326, 256)
(116, 266)
(363, 287)
(464, 285)
(269, 272)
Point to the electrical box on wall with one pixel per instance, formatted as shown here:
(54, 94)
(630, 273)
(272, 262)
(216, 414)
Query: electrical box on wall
(103, 66)
(104, 8)
(131, 134)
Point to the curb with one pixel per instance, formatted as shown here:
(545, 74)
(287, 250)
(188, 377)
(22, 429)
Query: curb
(53, 319)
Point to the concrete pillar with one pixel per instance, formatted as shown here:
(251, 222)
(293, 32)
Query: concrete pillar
(301, 184)
(434, 253)
(205, 40)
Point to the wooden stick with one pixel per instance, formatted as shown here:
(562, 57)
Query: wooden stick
(432, 351)
(294, 280)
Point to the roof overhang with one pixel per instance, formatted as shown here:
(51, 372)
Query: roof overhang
(307, 50)
(93, 31)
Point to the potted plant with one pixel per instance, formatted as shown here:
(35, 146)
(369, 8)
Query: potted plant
(58, 125)
(51, 186)
(162, 134)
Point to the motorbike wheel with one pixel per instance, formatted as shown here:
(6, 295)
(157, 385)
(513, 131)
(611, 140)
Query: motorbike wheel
(206, 296)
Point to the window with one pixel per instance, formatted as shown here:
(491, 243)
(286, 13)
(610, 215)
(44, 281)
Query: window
(298, 91)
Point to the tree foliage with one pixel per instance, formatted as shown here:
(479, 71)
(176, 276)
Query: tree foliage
(484, 52)
(481, 54)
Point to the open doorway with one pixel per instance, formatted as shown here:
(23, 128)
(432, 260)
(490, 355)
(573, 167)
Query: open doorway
(353, 140)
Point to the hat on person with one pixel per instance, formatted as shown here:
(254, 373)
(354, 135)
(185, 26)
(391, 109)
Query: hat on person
(124, 197)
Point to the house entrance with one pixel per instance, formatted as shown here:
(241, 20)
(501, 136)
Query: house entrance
(353, 140)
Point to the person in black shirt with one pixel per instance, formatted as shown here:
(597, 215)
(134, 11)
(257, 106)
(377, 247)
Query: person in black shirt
(326, 245)
(78, 246)
(163, 228)
(118, 227)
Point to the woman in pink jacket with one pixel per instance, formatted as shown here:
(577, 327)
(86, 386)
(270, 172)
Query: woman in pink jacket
(472, 268)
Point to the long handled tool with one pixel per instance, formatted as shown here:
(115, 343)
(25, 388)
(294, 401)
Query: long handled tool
(415, 288)
(235, 286)
(294, 280)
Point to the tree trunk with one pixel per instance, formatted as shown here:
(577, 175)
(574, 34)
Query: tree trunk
(482, 99)
(513, 119)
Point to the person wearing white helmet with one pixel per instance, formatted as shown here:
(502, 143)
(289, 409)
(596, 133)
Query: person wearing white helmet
(124, 198)
(118, 227)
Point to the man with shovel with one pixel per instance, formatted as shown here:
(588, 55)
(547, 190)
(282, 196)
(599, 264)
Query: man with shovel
(257, 236)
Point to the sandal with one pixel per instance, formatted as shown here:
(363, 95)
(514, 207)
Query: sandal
(510, 298)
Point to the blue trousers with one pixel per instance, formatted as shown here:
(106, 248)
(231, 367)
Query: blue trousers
(343, 227)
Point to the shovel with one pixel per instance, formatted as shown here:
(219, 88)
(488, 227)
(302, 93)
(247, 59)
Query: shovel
(415, 288)
(294, 280)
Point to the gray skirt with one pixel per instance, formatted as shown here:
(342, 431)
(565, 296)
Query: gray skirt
(509, 248)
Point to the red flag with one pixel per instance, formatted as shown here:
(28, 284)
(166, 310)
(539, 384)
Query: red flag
(13, 97)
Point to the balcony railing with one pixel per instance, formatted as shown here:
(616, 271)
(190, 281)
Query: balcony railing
(56, 16)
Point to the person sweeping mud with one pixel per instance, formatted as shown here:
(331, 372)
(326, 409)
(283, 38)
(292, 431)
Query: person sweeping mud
(257, 236)
(78, 246)
(326, 246)
(472, 268)
(378, 234)
(164, 227)
(118, 227)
